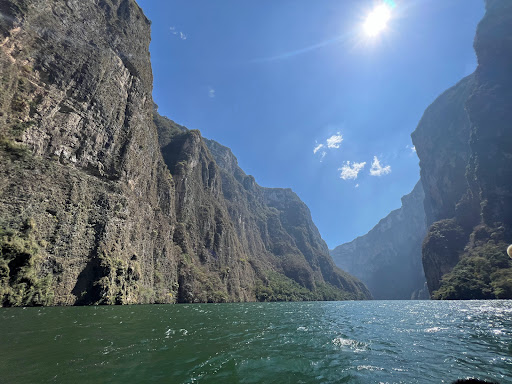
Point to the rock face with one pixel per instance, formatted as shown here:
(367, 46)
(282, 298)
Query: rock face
(90, 210)
(464, 143)
(260, 241)
(388, 258)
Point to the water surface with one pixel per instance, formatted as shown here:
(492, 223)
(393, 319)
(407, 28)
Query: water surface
(319, 342)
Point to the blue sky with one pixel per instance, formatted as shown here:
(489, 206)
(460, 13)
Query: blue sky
(276, 79)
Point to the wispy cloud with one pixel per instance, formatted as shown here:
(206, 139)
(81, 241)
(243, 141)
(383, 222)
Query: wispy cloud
(177, 33)
(411, 147)
(334, 141)
(350, 172)
(377, 169)
(211, 92)
(318, 147)
(287, 55)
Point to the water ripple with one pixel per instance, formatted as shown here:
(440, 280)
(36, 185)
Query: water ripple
(342, 342)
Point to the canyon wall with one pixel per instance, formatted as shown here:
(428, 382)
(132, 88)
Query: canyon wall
(464, 142)
(388, 258)
(103, 201)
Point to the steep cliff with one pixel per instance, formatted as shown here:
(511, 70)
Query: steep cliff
(89, 210)
(442, 145)
(248, 235)
(388, 258)
(82, 219)
(464, 144)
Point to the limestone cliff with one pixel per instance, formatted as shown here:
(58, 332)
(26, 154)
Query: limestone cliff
(464, 144)
(388, 258)
(83, 220)
(248, 235)
(90, 210)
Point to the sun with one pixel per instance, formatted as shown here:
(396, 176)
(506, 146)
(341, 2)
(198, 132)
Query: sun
(377, 20)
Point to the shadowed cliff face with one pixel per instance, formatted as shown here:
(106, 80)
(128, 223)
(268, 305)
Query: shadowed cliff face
(464, 253)
(443, 147)
(89, 210)
(443, 135)
(388, 258)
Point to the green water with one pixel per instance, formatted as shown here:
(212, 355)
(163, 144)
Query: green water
(337, 342)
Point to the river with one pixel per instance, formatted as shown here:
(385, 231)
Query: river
(312, 342)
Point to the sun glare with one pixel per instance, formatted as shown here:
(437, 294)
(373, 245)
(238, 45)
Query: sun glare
(377, 20)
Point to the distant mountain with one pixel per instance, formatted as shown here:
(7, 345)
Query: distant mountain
(464, 142)
(104, 201)
(388, 258)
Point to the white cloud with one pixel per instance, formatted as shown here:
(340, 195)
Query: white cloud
(334, 141)
(317, 148)
(180, 34)
(413, 148)
(350, 172)
(357, 185)
(211, 92)
(377, 169)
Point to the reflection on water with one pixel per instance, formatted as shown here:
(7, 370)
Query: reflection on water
(337, 342)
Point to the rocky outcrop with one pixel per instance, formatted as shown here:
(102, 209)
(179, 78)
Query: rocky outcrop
(464, 144)
(90, 210)
(388, 258)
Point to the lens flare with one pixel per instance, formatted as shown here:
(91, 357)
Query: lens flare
(377, 20)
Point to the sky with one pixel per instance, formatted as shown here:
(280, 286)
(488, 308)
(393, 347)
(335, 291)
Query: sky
(307, 98)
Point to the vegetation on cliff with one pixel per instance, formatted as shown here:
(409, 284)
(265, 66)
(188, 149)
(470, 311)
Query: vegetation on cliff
(485, 272)
(232, 230)
(21, 283)
(125, 212)
(464, 144)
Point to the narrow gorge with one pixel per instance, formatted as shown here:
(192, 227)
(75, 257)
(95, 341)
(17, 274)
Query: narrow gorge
(388, 258)
(464, 143)
(103, 201)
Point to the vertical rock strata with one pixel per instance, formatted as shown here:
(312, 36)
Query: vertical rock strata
(388, 258)
(464, 142)
(90, 210)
